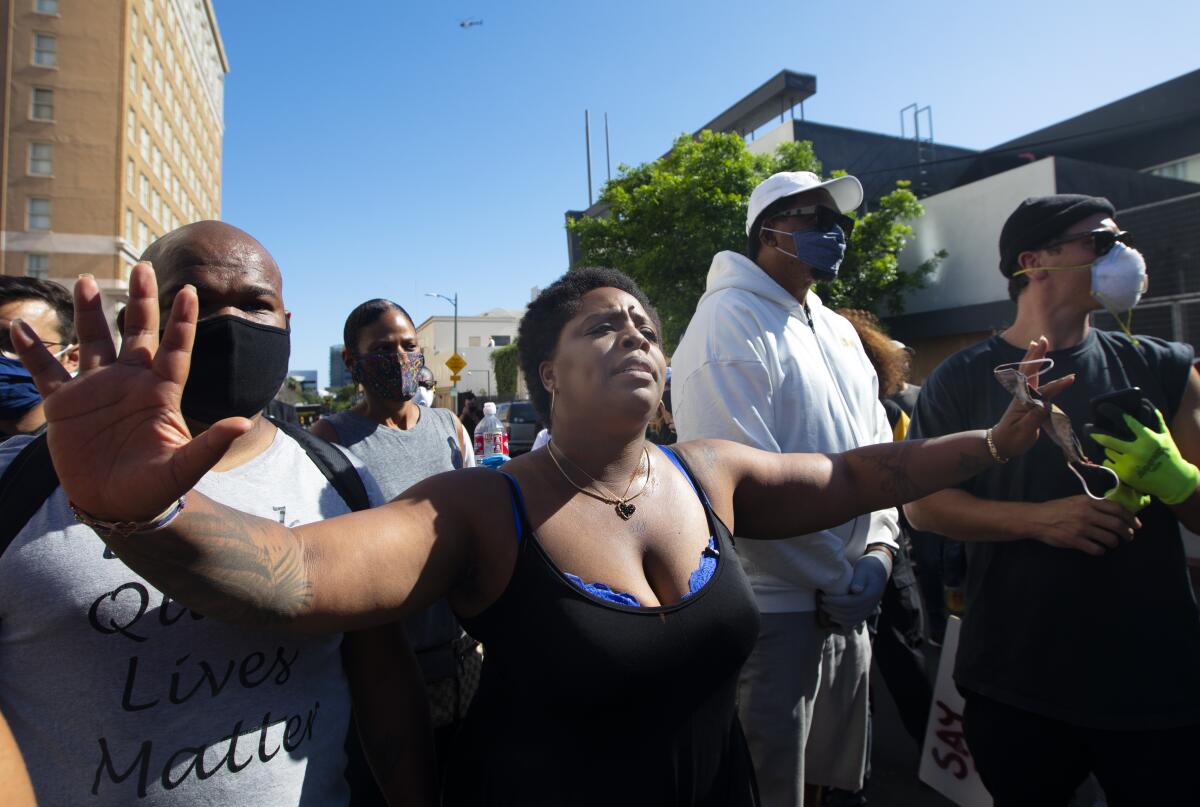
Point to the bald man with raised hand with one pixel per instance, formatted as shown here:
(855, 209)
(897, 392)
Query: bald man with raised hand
(117, 694)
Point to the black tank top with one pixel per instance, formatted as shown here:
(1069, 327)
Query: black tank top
(588, 702)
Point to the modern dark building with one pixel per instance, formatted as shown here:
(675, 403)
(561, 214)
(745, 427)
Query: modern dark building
(339, 376)
(1142, 152)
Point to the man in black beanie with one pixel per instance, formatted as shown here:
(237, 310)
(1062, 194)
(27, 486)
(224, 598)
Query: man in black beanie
(1080, 647)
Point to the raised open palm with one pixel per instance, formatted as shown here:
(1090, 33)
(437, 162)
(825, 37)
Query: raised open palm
(119, 442)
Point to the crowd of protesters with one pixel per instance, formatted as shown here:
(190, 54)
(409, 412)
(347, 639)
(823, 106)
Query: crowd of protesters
(674, 599)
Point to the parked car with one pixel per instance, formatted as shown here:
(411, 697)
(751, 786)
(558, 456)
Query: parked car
(521, 420)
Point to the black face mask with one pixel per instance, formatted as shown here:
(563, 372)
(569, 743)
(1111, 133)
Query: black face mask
(237, 367)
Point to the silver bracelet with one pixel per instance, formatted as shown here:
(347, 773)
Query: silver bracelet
(125, 528)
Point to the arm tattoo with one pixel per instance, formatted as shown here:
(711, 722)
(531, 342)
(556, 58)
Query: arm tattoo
(230, 567)
(894, 477)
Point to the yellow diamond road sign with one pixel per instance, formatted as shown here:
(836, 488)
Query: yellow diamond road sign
(456, 363)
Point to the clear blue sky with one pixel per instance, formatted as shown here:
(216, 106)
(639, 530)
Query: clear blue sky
(380, 150)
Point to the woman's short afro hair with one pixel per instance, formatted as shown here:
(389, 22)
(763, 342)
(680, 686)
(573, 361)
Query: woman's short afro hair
(544, 320)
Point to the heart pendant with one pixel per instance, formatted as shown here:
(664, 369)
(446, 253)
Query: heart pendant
(625, 510)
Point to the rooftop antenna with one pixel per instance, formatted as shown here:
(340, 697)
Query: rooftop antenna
(607, 154)
(587, 140)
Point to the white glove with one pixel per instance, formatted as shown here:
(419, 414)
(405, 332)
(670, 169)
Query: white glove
(867, 584)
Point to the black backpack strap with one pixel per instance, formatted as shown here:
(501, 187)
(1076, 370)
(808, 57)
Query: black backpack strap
(342, 474)
(331, 462)
(27, 483)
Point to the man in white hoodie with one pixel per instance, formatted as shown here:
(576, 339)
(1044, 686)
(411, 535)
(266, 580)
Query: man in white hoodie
(764, 363)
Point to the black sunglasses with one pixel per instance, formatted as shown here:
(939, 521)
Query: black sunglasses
(1102, 240)
(825, 217)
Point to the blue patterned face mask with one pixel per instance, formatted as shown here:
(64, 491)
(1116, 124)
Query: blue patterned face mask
(17, 392)
(391, 376)
(822, 250)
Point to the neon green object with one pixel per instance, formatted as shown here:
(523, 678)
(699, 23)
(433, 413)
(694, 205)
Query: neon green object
(1151, 463)
(1132, 500)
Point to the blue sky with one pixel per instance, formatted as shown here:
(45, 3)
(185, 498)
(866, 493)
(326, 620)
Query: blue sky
(380, 150)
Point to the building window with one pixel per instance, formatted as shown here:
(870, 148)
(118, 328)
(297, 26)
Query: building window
(131, 125)
(501, 341)
(128, 224)
(37, 265)
(144, 192)
(145, 144)
(147, 50)
(143, 236)
(45, 6)
(158, 28)
(43, 50)
(43, 105)
(133, 83)
(129, 175)
(41, 159)
(38, 217)
(133, 25)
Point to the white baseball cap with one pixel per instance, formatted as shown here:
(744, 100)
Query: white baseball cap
(846, 191)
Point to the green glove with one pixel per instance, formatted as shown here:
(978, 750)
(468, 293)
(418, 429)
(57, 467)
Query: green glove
(1151, 463)
(1127, 497)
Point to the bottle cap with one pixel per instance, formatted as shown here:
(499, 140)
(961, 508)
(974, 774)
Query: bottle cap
(489, 408)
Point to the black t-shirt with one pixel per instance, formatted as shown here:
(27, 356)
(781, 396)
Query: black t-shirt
(1109, 642)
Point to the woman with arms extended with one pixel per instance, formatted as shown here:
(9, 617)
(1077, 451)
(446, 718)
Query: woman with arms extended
(599, 573)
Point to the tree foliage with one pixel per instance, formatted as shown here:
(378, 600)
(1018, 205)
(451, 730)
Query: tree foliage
(342, 397)
(667, 218)
(504, 366)
(870, 276)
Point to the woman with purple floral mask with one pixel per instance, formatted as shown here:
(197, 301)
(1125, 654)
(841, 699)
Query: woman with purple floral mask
(402, 443)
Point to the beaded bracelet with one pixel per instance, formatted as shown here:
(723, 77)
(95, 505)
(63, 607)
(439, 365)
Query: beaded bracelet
(124, 528)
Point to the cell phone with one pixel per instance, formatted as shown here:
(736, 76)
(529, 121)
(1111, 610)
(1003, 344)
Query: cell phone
(1131, 402)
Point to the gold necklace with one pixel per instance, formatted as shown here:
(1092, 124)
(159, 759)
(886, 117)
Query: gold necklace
(620, 503)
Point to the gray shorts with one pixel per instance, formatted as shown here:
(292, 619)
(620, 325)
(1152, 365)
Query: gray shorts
(802, 700)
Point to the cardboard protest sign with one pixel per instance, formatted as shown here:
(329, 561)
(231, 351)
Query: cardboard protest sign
(946, 763)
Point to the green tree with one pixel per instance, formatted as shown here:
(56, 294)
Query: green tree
(504, 368)
(342, 398)
(666, 219)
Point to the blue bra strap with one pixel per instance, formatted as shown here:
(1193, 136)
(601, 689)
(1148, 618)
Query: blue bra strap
(700, 494)
(518, 506)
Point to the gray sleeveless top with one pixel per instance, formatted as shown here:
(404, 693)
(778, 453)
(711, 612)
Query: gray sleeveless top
(398, 460)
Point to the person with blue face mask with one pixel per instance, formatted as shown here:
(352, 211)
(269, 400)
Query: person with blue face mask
(766, 364)
(49, 306)
(1080, 644)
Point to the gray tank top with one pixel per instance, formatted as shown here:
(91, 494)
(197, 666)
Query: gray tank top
(398, 460)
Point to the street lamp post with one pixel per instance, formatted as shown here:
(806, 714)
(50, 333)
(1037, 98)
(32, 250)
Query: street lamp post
(454, 302)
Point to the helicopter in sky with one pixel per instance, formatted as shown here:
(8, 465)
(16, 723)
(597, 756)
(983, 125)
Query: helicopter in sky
(470, 23)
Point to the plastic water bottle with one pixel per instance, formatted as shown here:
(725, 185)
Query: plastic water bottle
(491, 440)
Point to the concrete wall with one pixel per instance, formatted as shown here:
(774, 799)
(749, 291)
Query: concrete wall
(966, 222)
(436, 337)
